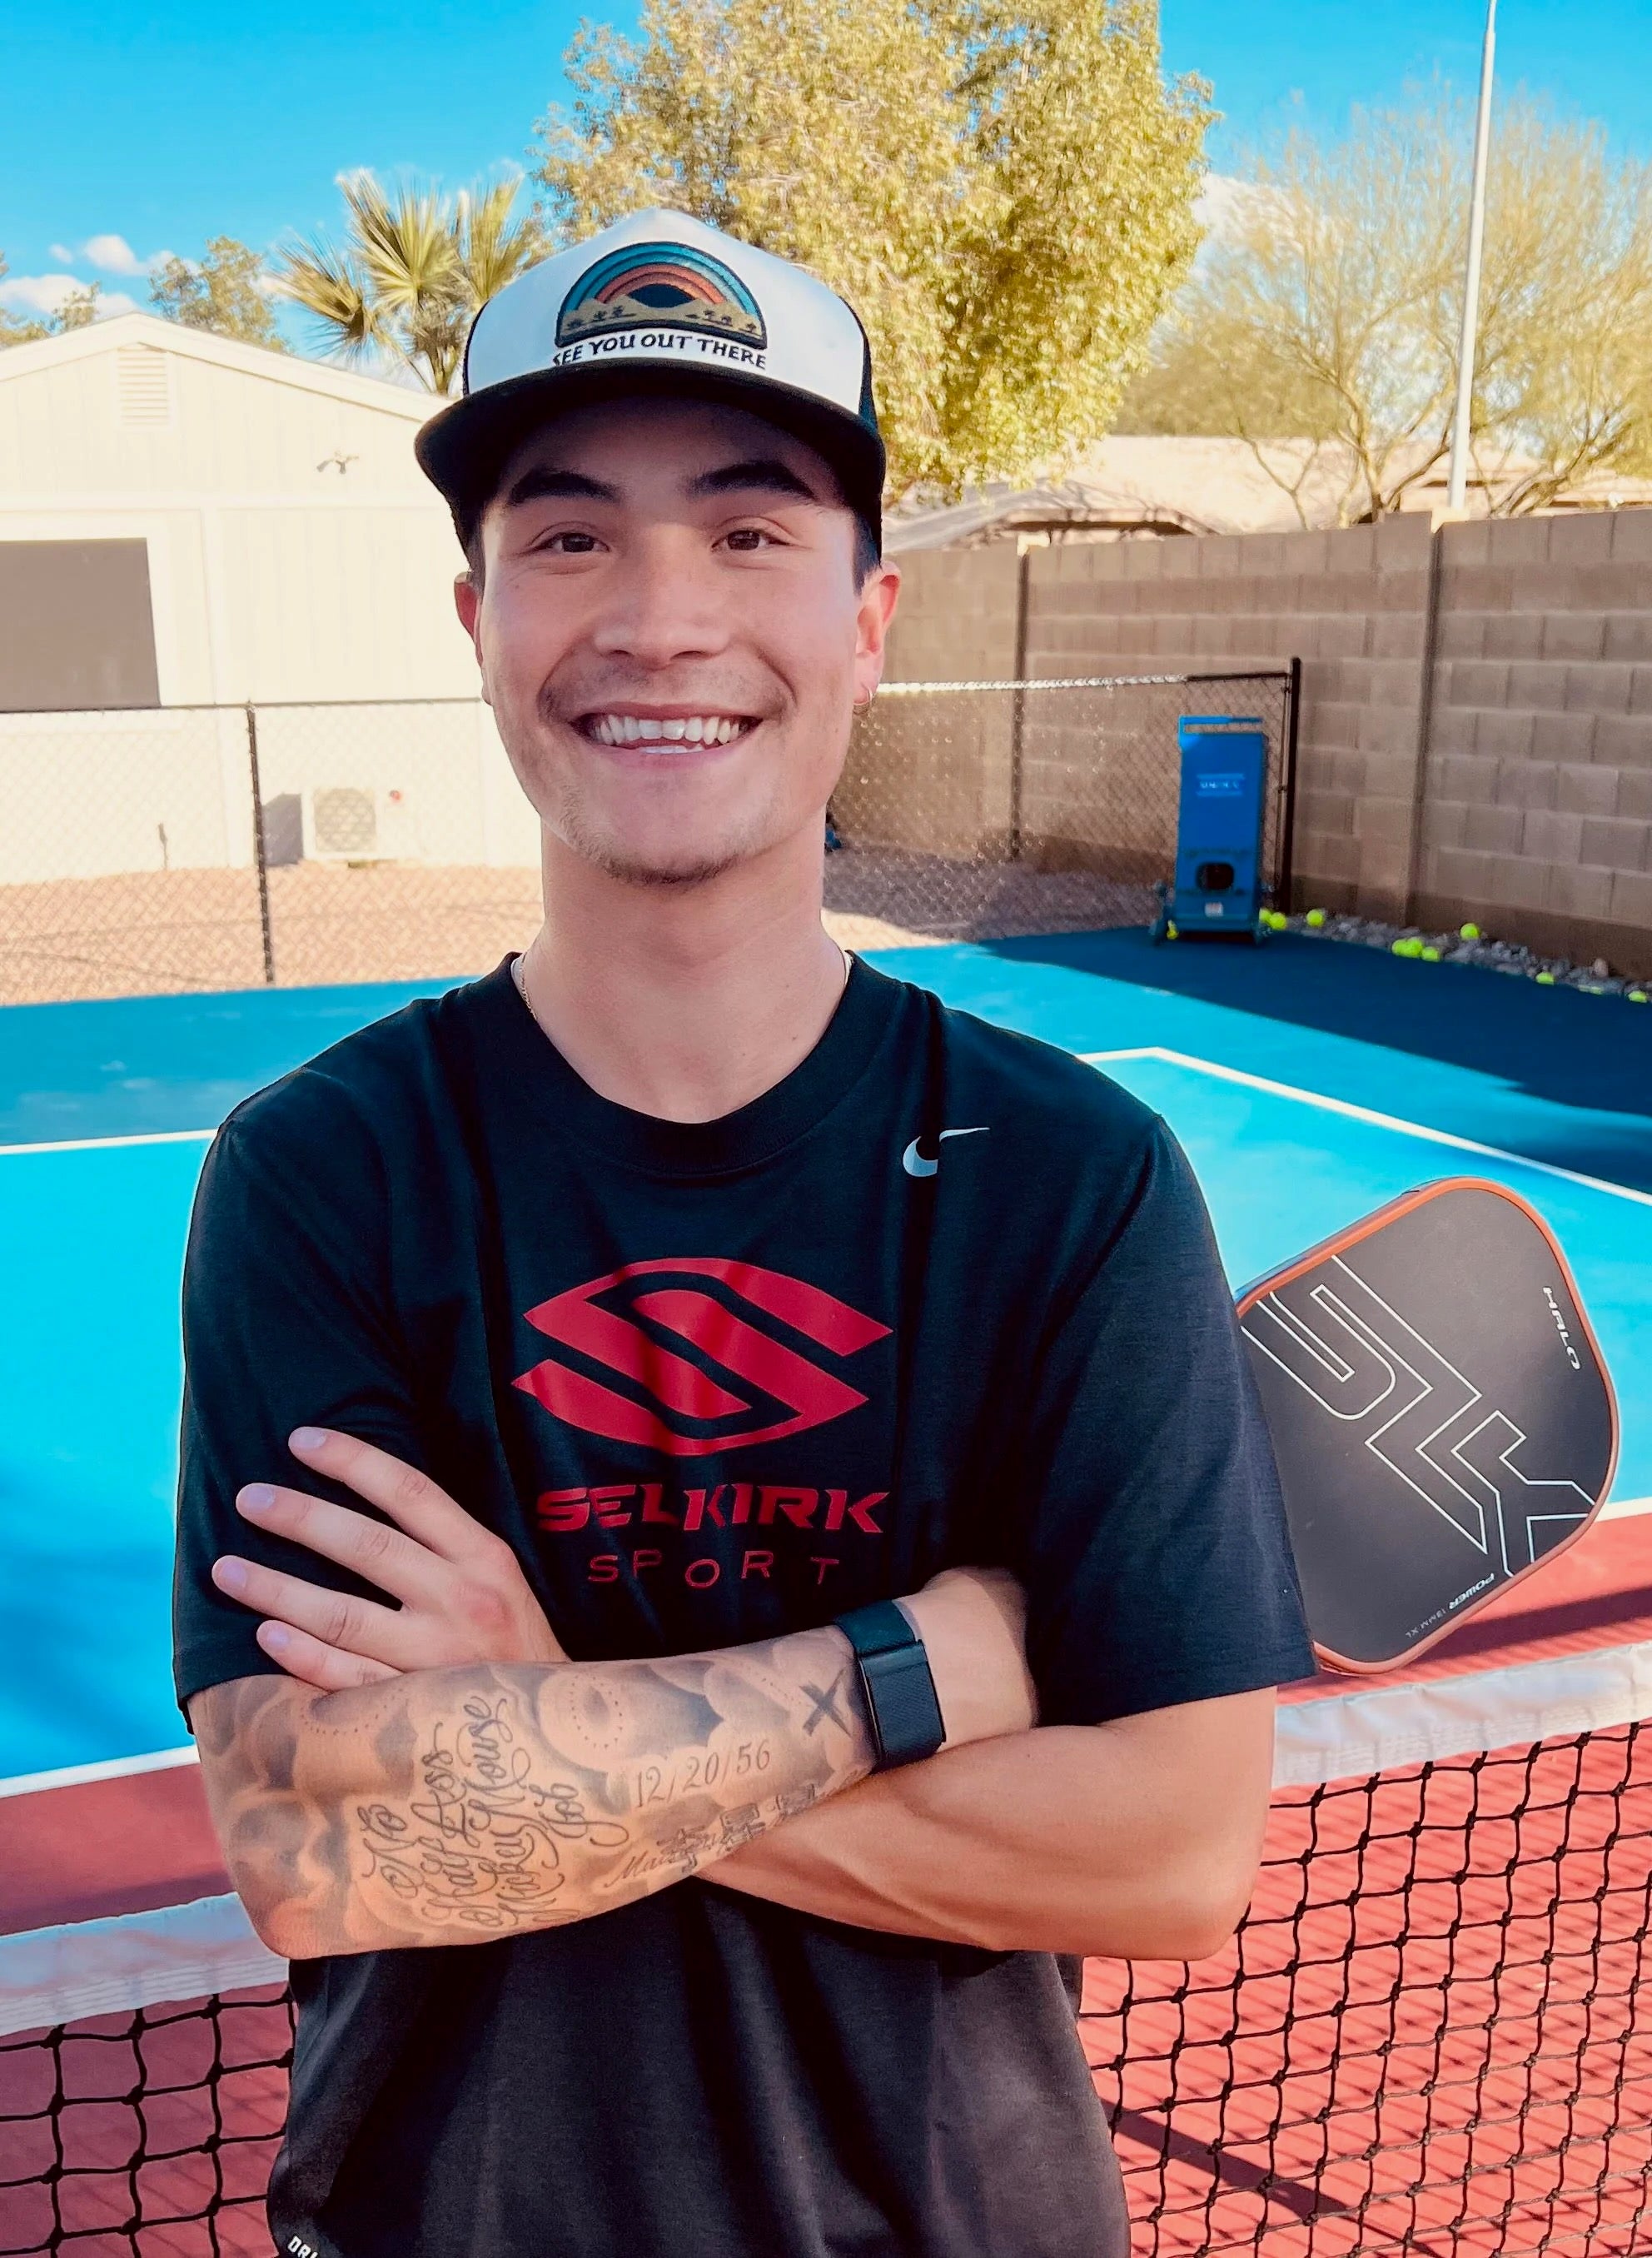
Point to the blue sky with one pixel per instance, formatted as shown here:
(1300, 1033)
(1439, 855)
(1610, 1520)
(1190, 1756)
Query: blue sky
(153, 127)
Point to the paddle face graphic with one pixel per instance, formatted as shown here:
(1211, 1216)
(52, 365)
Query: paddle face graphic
(1442, 1416)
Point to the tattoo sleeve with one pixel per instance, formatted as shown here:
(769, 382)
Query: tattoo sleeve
(448, 1806)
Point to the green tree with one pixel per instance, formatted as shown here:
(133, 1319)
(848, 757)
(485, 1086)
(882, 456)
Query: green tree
(411, 271)
(12, 331)
(1322, 321)
(78, 311)
(219, 292)
(1004, 193)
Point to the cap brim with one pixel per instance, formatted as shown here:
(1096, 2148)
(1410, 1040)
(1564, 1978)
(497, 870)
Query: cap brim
(463, 448)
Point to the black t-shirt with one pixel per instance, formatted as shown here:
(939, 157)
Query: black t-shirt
(943, 1295)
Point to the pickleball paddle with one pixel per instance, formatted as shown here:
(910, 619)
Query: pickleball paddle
(1441, 1415)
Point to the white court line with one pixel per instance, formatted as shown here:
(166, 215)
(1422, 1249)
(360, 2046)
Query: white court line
(110, 1144)
(1365, 1113)
(32, 1783)
(1623, 1508)
(1313, 1737)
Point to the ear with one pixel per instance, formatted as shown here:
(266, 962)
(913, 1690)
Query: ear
(872, 620)
(467, 602)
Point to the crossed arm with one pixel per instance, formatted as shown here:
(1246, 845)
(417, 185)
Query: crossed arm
(450, 1806)
(437, 1771)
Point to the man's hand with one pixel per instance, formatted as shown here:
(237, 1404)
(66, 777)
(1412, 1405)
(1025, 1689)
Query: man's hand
(1133, 1839)
(460, 1592)
(463, 1598)
(443, 1773)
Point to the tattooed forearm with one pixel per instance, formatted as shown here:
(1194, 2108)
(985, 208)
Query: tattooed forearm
(451, 1806)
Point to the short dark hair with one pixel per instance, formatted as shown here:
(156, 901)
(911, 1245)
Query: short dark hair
(467, 524)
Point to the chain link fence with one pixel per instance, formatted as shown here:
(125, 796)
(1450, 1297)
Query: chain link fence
(202, 848)
(205, 848)
(979, 810)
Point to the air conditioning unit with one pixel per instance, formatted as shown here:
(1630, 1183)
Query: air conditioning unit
(357, 823)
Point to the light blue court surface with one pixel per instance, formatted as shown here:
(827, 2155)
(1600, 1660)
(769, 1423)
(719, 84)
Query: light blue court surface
(1295, 1128)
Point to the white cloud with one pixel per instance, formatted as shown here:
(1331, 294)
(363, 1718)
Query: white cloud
(1222, 202)
(110, 254)
(38, 295)
(1227, 205)
(113, 255)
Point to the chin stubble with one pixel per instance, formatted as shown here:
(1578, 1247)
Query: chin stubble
(603, 855)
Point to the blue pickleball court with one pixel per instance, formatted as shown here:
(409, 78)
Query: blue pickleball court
(1308, 1084)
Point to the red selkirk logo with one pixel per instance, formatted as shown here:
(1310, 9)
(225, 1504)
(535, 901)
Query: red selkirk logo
(678, 1406)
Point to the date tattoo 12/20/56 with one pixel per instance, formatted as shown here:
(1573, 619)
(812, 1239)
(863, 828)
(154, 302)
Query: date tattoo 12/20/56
(457, 1805)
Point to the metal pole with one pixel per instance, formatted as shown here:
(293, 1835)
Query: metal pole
(1286, 854)
(1018, 709)
(260, 861)
(1456, 487)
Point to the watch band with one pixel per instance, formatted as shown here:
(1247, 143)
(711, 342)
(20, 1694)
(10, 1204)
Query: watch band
(895, 1676)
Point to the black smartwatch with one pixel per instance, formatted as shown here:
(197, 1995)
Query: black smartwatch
(895, 1676)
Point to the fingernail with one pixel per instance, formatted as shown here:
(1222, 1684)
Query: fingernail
(307, 1439)
(274, 1635)
(229, 1575)
(257, 1498)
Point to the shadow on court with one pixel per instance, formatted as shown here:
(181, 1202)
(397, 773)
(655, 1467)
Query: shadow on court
(1556, 1043)
(1558, 1046)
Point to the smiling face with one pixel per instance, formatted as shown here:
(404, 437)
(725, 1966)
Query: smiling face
(673, 633)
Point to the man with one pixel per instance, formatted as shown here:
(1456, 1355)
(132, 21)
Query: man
(671, 1296)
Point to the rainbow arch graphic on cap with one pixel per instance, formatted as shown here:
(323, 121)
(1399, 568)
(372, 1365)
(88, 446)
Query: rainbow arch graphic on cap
(660, 285)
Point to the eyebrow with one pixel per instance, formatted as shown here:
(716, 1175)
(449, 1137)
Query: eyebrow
(756, 475)
(538, 484)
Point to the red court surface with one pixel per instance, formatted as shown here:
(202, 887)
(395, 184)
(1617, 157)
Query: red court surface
(1431, 2035)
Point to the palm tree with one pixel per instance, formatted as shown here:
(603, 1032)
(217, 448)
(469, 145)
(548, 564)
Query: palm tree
(411, 271)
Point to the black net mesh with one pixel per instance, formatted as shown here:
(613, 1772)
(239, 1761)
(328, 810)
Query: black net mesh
(150, 2132)
(1431, 2035)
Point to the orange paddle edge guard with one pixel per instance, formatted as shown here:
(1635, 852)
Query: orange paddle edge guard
(1339, 1243)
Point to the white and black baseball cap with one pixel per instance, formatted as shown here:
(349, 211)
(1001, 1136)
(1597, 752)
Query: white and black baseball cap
(660, 303)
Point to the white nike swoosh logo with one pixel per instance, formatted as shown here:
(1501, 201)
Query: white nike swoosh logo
(913, 1162)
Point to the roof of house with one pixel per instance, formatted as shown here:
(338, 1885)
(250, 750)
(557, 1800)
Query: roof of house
(1175, 485)
(292, 369)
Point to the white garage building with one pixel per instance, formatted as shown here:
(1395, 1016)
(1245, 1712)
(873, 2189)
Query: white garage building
(190, 523)
(266, 511)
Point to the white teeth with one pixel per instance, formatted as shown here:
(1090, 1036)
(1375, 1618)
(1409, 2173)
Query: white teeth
(644, 729)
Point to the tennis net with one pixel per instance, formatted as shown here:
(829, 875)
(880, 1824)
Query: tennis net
(1431, 2034)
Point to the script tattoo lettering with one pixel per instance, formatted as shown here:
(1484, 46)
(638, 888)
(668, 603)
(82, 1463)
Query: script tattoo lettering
(452, 1806)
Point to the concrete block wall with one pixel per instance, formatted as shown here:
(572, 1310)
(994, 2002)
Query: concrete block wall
(959, 617)
(1537, 802)
(933, 775)
(1353, 606)
(1475, 731)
